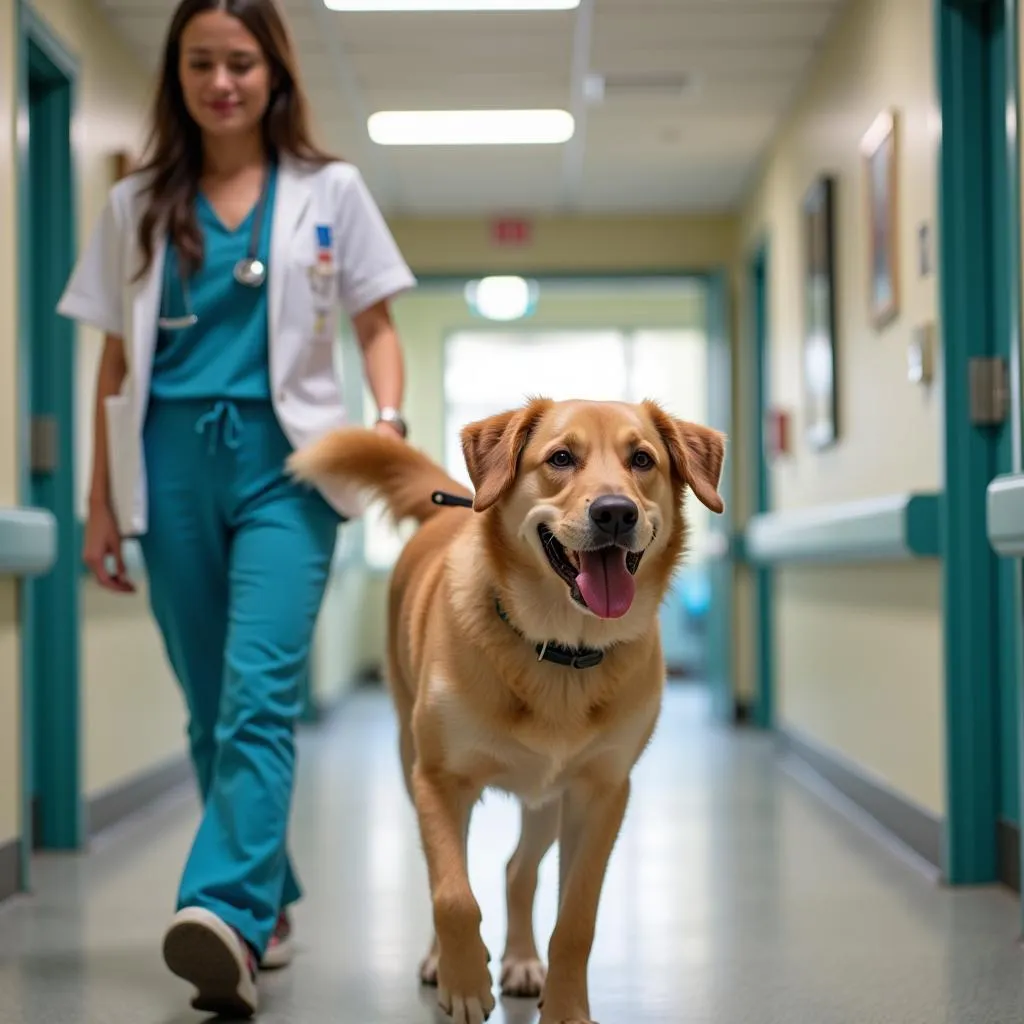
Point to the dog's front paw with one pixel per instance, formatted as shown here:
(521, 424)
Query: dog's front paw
(464, 988)
(428, 969)
(523, 978)
(471, 1006)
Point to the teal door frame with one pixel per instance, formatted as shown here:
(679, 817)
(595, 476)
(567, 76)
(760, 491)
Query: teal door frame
(978, 270)
(719, 661)
(52, 810)
(758, 329)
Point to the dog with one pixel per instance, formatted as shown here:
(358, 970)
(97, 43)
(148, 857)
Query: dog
(524, 655)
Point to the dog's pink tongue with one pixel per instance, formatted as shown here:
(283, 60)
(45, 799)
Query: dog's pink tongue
(605, 582)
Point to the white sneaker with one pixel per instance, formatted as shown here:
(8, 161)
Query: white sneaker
(281, 949)
(209, 953)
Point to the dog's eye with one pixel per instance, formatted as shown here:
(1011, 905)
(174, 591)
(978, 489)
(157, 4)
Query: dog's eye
(641, 460)
(562, 459)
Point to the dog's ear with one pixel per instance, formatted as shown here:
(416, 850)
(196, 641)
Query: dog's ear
(696, 454)
(492, 448)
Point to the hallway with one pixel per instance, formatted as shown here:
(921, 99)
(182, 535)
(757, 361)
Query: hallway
(735, 896)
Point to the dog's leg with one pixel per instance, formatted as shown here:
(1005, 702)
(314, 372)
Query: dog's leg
(444, 805)
(407, 750)
(591, 818)
(522, 972)
(428, 966)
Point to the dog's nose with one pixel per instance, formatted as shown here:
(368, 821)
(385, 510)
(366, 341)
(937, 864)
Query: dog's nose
(614, 514)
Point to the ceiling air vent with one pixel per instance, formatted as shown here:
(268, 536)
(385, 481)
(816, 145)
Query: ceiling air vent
(601, 88)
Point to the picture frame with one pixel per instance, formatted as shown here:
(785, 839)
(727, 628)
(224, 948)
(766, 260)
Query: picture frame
(880, 154)
(819, 304)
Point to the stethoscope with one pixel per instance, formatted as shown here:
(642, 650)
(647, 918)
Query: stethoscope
(249, 271)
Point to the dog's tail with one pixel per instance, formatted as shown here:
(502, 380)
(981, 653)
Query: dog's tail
(379, 466)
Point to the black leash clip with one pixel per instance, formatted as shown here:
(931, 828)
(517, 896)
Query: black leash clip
(444, 498)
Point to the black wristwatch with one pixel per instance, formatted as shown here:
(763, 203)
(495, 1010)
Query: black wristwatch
(394, 419)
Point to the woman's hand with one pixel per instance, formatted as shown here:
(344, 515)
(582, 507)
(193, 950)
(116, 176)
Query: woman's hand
(103, 541)
(388, 429)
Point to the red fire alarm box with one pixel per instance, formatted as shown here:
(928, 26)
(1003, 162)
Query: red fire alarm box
(776, 433)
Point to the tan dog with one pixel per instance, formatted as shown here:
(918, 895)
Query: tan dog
(576, 528)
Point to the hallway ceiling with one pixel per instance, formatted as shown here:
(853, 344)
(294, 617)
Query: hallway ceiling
(694, 90)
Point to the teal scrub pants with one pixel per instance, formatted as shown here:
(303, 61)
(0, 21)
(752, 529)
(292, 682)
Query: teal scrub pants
(238, 557)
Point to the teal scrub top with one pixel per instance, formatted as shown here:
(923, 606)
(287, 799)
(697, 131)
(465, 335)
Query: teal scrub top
(224, 354)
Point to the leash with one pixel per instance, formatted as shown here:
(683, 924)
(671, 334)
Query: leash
(444, 498)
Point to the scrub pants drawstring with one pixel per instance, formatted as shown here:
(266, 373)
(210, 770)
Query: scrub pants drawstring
(225, 416)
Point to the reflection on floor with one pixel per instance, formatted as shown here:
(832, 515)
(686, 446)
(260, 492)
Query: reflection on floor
(735, 896)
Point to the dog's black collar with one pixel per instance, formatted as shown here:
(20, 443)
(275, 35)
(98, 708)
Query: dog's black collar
(558, 654)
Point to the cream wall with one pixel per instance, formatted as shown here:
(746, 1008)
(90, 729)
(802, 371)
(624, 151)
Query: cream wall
(132, 716)
(578, 244)
(859, 651)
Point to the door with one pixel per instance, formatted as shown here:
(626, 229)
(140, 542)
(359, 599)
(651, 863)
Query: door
(978, 282)
(52, 812)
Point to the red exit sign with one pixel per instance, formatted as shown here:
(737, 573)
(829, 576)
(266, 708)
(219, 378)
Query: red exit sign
(511, 231)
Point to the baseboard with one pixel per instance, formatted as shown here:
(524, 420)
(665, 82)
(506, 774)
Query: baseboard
(1009, 854)
(10, 869)
(915, 828)
(126, 798)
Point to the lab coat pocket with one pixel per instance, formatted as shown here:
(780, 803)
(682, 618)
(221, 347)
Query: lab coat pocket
(123, 456)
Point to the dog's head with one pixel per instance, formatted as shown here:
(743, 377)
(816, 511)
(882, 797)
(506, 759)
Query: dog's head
(592, 492)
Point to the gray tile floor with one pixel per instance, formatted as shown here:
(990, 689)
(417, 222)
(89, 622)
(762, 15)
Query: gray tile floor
(735, 896)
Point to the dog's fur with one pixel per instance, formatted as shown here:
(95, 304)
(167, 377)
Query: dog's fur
(476, 706)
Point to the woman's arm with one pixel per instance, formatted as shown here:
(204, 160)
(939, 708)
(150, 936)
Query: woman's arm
(108, 382)
(383, 361)
(102, 536)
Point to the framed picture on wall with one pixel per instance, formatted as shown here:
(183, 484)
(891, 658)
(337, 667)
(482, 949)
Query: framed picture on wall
(819, 299)
(880, 151)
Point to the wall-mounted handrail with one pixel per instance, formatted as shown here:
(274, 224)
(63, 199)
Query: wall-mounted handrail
(890, 528)
(28, 541)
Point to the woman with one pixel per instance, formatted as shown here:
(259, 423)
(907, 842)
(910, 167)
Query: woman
(216, 273)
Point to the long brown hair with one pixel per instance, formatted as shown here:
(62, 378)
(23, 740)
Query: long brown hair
(174, 146)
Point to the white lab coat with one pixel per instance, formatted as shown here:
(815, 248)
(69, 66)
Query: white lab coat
(306, 393)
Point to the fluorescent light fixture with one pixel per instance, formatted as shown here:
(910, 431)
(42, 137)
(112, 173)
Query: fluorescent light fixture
(470, 127)
(382, 6)
(502, 298)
